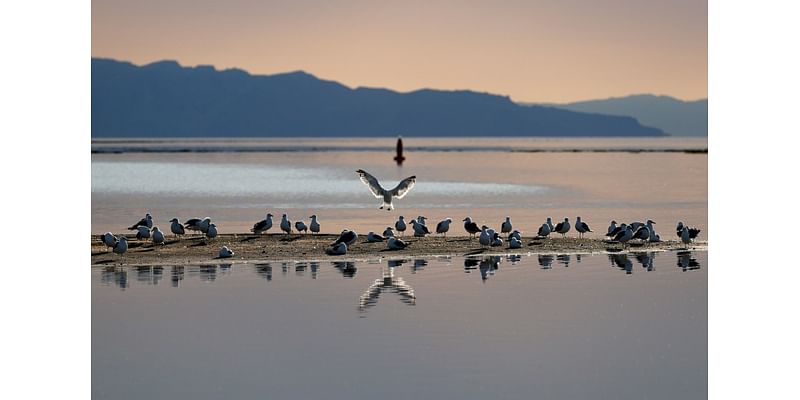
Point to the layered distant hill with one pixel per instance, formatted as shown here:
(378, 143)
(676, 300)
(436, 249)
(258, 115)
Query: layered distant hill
(673, 116)
(164, 99)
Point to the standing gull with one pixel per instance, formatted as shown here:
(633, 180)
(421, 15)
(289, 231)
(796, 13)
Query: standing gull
(443, 226)
(693, 232)
(108, 239)
(550, 224)
(611, 227)
(286, 225)
(262, 226)
(625, 235)
(505, 227)
(211, 232)
(158, 236)
(563, 227)
(486, 236)
(471, 227)
(142, 232)
(581, 227)
(176, 227)
(146, 221)
(420, 230)
(121, 246)
(399, 191)
(400, 225)
(301, 227)
(314, 224)
(544, 231)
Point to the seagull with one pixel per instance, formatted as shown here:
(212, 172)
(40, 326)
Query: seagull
(121, 246)
(286, 225)
(211, 232)
(225, 252)
(262, 226)
(563, 227)
(693, 232)
(388, 232)
(516, 234)
(301, 227)
(443, 226)
(337, 249)
(581, 227)
(146, 221)
(611, 227)
(176, 227)
(514, 243)
(420, 230)
(496, 240)
(617, 230)
(471, 227)
(197, 224)
(550, 224)
(400, 225)
(505, 227)
(372, 237)
(544, 230)
(399, 191)
(643, 233)
(142, 232)
(396, 244)
(635, 225)
(347, 236)
(158, 236)
(314, 224)
(421, 219)
(486, 236)
(108, 239)
(686, 237)
(625, 235)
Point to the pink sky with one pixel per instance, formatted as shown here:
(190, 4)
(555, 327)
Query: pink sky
(535, 51)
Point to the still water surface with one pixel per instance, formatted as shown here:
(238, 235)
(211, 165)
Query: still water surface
(518, 327)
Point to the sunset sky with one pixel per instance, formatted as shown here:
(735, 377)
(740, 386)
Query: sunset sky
(533, 51)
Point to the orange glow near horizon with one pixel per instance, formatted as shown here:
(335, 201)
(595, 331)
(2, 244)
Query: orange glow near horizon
(530, 50)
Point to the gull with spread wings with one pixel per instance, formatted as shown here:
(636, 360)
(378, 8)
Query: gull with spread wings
(399, 191)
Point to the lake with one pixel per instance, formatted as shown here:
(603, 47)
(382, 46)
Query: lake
(620, 326)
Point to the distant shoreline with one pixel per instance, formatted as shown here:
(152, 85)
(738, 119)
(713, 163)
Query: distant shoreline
(280, 247)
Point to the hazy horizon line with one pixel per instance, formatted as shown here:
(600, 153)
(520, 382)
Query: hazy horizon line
(522, 102)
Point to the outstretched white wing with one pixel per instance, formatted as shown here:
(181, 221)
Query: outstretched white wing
(371, 183)
(404, 187)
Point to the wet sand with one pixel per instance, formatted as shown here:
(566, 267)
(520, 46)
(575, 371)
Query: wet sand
(281, 247)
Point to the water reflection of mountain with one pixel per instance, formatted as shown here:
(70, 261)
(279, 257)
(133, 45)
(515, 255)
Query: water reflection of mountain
(686, 262)
(388, 283)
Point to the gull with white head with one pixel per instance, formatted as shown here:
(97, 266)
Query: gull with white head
(379, 192)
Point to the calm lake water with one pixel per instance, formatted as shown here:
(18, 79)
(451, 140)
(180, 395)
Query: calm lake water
(550, 326)
(237, 182)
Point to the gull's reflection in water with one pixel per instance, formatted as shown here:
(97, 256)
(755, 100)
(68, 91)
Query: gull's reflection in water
(396, 263)
(114, 275)
(418, 265)
(149, 275)
(488, 266)
(347, 268)
(514, 259)
(546, 261)
(470, 263)
(264, 270)
(176, 275)
(387, 283)
(687, 262)
(622, 262)
(300, 268)
(314, 265)
(646, 259)
(206, 273)
(563, 259)
(284, 268)
(578, 258)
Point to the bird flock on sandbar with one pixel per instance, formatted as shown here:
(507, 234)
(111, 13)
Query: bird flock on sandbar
(643, 232)
(624, 233)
